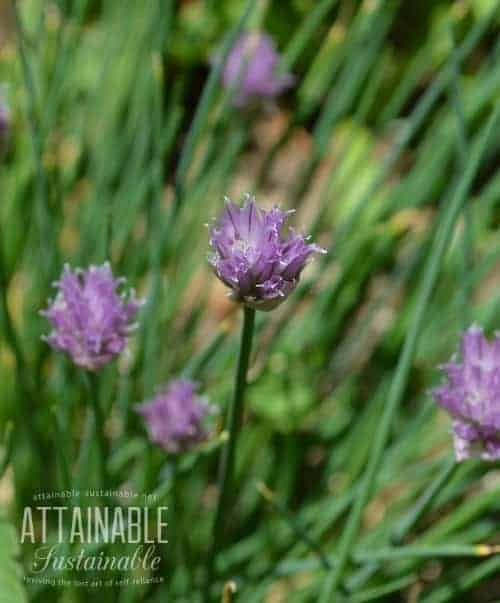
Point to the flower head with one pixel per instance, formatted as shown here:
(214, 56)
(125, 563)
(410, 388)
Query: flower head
(472, 396)
(253, 257)
(175, 416)
(91, 321)
(252, 66)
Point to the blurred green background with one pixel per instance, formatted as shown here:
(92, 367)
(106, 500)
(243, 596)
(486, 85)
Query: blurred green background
(122, 146)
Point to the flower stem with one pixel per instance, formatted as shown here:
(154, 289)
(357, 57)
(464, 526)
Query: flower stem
(228, 453)
(65, 472)
(176, 542)
(93, 389)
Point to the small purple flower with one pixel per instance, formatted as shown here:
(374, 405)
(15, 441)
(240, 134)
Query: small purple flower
(5, 123)
(472, 396)
(251, 65)
(253, 258)
(91, 321)
(175, 416)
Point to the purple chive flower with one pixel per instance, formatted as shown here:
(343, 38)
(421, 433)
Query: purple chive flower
(251, 65)
(4, 123)
(471, 395)
(259, 264)
(91, 321)
(175, 416)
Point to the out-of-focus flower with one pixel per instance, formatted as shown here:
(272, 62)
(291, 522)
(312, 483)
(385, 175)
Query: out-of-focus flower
(91, 321)
(471, 395)
(175, 416)
(5, 123)
(251, 66)
(253, 257)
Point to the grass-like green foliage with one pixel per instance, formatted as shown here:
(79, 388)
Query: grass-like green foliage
(123, 145)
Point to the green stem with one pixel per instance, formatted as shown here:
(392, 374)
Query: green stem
(477, 575)
(65, 471)
(8, 445)
(423, 503)
(176, 542)
(198, 362)
(47, 248)
(300, 532)
(66, 484)
(398, 385)
(407, 522)
(462, 152)
(385, 554)
(228, 453)
(102, 447)
(85, 450)
(24, 380)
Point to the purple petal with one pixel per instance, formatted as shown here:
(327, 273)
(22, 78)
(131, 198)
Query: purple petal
(471, 395)
(253, 257)
(252, 66)
(175, 417)
(90, 320)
